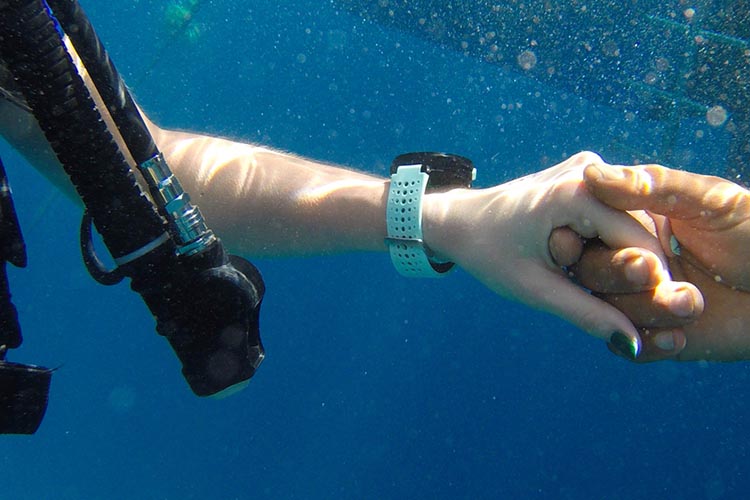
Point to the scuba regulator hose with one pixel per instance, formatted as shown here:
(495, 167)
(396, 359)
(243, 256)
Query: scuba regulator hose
(205, 302)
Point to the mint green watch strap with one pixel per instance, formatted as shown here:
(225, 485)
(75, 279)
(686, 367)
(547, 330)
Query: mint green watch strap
(404, 224)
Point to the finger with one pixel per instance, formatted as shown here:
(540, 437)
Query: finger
(626, 270)
(670, 304)
(657, 345)
(674, 193)
(617, 229)
(565, 246)
(663, 228)
(554, 293)
(709, 216)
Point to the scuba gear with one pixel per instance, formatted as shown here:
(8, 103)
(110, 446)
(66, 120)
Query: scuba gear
(14, 99)
(205, 302)
(23, 388)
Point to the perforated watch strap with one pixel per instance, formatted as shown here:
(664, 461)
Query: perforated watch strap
(404, 224)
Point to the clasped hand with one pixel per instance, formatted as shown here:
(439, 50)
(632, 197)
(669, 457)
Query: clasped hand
(517, 239)
(703, 224)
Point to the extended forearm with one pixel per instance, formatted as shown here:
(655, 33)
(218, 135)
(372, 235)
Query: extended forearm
(264, 202)
(260, 201)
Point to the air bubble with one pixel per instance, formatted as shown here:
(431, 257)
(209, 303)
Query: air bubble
(716, 116)
(527, 60)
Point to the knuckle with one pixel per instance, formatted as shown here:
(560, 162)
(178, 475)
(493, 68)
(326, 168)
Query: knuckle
(586, 158)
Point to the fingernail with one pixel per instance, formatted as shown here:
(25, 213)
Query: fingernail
(682, 304)
(675, 245)
(626, 346)
(637, 270)
(607, 172)
(665, 341)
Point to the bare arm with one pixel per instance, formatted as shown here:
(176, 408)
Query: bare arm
(265, 202)
(261, 202)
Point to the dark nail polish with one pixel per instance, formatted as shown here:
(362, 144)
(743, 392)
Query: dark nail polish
(624, 345)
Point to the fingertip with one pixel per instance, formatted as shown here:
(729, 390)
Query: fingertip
(565, 246)
(662, 345)
(627, 270)
(598, 172)
(684, 300)
(625, 345)
(619, 353)
(642, 267)
(592, 175)
(670, 342)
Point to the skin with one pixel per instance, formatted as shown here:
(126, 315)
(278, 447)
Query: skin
(710, 218)
(294, 206)
(269, 203)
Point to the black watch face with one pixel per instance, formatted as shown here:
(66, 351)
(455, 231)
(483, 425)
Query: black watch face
(446, 171)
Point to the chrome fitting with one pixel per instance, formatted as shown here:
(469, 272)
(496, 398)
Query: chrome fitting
(186, 223)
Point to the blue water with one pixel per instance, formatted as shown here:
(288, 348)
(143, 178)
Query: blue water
(374, 386)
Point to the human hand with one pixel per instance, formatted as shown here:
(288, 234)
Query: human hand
(501, 236)
(710, 218)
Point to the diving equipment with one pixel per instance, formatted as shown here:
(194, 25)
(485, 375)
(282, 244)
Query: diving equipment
(205, 302)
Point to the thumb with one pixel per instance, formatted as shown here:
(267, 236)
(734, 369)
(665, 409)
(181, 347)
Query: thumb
(673, 193)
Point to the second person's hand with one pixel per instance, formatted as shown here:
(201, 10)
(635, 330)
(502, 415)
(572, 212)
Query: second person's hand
(703, 223)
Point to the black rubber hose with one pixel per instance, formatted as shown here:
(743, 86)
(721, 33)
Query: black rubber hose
(33, 49)
(206, 305)
(109, 84)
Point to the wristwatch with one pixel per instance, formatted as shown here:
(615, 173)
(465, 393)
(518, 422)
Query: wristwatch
(412, 175)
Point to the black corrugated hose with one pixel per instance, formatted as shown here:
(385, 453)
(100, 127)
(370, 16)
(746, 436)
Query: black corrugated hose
(206, 304)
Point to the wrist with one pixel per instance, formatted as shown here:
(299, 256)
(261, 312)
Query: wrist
(413, 177)
(442, 224)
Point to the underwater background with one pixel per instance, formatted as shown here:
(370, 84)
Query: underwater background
(374, 386)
